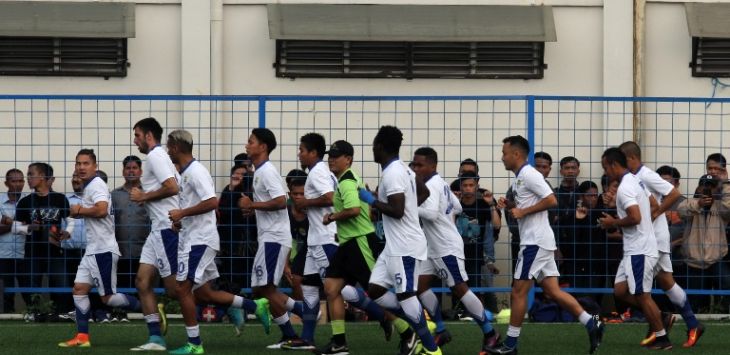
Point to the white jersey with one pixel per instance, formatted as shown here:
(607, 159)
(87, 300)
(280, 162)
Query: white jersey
(659, 188)
(438, 221)
(404, 236)
(156, 169)
(638, 239)
(196, 185)
(99, 231)
(530, 188)
(273, 226)
(319, 182)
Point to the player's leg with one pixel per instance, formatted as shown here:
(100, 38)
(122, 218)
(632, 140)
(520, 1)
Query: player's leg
(639, 271)
(679, 299)
(405, 271)
(82, 286)
(267, 271)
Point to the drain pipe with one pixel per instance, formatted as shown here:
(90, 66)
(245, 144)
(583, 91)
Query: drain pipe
(639, 28)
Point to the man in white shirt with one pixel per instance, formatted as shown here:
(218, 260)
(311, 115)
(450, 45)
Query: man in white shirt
(199, 244)
(321, 245)
(398, 266)
(445, 251)
(533, 197)
(159, 254)
(635, 273)
(12, 245)
(98, 267)
(664, 192)
(274, 233)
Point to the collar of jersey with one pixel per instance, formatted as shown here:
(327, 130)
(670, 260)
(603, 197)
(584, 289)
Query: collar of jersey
(262, 164)
(86, 183)
(520, 169)
(637, 170)
(315, 164)
(390, 161)
(430, 176)
(186, 166)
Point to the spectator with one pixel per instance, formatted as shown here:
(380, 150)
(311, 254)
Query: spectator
(74, 246)
(238, 236)
(41, 214)
(299, 224)
(564, 220)
(705, 245)
(131, 226)
(12, 246)
(482, 214)
(467, 165)
(590, 241)
(676, 223)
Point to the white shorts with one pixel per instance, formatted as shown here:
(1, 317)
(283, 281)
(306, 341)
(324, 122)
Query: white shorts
(160, 250)
(536, 263)
(100, 271)
(399, 272)
(448, 268)
(664, 263)
(638, 271)
(197, 265)
(268, 265)
(318, 259)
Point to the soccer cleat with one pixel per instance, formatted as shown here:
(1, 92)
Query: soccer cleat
(649, 339)
(661, 343)
(595, 335)
(387, 327)
(693, 335)
(278, 344)
(155, 343)
(236, 317)
(442, 338)
(188, 348)
(263, 314)
(79, 341)
(421, 350)
(333, 349)
(491, 339)
(408, 342)
(163, 318)
(667, 321)
(297, 344)
(499, 349)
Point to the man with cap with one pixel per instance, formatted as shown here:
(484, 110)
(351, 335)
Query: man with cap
(358, 250)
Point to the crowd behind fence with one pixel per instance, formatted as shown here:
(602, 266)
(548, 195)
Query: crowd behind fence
(676, 132)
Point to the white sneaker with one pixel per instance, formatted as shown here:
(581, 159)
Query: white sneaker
(149, 347)
(277, 345)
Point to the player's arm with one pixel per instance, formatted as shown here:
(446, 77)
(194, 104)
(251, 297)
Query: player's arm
(100, 209)
(429, 209)
(667, 202)
(395, 207)
(324, 200)
(169, 188)
(543, 205)
(203, 207)
(421, 190)
(633, 217)
(275, 204)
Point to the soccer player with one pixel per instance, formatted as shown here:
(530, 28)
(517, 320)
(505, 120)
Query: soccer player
(355, 257)
(98, 267)
(159, 194)
(445, 251)
(536, 260)
(636, 271)
(274, 235)
(665, 192)
(399, 195)
(199, 244)
(321, 245)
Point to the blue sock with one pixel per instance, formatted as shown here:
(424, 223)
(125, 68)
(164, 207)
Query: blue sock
(591, 324)
(249, 306)
(298, 309)
(193, 334)
(287, 330)
(423, 333)
(153, 324)
(82, 321)
(309, 321)
(373, 310)
(194, 340)
(484, 323)
(511, 342)
(688, 315)
(134, 304)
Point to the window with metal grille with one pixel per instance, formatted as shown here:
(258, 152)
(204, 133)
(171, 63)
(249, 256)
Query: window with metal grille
(710, 57)
(360, 59)
(63, 56)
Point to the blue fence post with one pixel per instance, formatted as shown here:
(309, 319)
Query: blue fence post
(262, 111)
(531, 160)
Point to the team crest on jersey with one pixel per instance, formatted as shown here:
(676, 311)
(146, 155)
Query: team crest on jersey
(519, 182)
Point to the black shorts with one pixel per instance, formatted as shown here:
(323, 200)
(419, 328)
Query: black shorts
(297, 265)
(349, 261)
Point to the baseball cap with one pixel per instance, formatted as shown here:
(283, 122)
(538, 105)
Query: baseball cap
(340, 148)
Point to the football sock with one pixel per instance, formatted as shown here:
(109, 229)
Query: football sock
(587, 320)
(476, 310)
(193, 334)
(513, 333)
(431, 303)
(285, 325)
(359, 299)
(82, 304)
(414, 316)
(296, 307)
(311, 308)
(679, 298)
(153, 324)
(125, 301)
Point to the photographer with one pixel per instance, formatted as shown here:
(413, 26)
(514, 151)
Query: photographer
(707, 214)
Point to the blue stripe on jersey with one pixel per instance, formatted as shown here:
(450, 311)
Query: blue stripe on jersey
(170, 240)
(409, 267)
(196, 253)
(104, 263)
(271, 253)
(637, 268)
(528, 257)
(452, 264)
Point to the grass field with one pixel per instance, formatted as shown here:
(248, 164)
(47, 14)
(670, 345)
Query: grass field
(18, 337)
